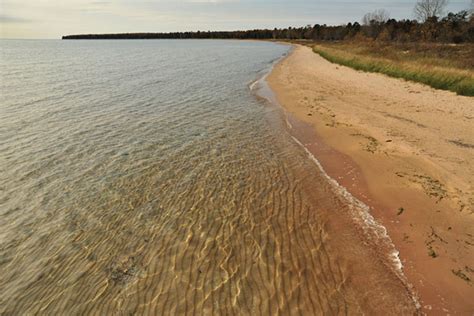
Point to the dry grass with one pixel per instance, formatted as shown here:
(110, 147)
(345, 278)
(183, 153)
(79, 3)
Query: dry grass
(441, 66)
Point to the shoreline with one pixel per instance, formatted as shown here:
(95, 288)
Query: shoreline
(368, 231)
(397, 179)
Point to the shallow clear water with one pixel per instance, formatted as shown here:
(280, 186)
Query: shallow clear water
(145, 177)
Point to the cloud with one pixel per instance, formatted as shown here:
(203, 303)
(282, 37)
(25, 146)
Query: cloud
(13, 19)
(53, 18)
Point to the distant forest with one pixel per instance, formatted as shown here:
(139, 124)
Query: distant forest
(452, 28)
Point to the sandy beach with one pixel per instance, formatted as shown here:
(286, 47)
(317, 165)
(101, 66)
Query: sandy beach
(402, 148)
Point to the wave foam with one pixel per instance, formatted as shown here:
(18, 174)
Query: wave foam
(369, 224)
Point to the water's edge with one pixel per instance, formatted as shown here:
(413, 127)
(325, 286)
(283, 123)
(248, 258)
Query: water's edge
(373, 230)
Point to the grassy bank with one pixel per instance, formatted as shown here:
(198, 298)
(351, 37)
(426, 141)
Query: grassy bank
(446, 67)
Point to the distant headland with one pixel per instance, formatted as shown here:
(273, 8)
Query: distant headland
(252, 34)
(453, 28)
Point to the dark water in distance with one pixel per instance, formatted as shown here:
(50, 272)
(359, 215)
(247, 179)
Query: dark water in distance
(144, 177)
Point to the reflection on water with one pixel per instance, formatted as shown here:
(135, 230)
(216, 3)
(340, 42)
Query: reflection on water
(143, 177)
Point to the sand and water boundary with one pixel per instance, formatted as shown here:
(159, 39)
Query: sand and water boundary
(395, 146)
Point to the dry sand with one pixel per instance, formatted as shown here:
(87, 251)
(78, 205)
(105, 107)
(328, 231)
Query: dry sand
(404, 149)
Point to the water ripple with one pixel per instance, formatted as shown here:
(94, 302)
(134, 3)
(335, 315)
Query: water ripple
(143, 177)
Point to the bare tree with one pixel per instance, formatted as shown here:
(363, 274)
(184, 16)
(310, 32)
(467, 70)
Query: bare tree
(425, 9)
(379, 16)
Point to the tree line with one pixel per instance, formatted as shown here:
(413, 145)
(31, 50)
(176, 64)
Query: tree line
(429, 27)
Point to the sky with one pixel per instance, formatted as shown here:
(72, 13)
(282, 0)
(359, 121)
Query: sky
(54, 18)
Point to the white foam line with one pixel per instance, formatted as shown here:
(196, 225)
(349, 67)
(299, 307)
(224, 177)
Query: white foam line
(366, 216)
(371, 225)
(288, 122)
(267, 73)
(363, 210)
(260, 80)
(253, 84)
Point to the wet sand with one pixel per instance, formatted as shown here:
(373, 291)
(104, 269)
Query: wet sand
(404, 149)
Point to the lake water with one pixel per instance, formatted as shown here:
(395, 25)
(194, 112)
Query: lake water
(146, 177)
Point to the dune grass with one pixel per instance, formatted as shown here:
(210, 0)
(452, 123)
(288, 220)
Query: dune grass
(444, 73)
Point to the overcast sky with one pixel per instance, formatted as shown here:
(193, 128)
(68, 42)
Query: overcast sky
(54, 18)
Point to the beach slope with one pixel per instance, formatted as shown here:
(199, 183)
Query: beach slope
(404, 149)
